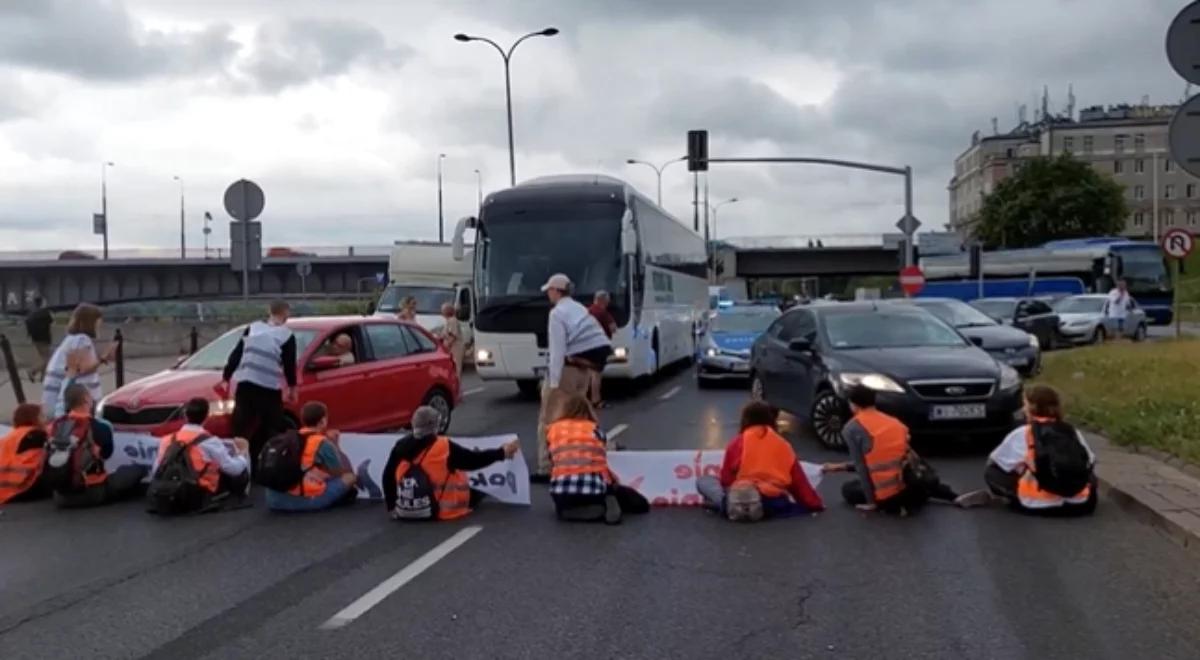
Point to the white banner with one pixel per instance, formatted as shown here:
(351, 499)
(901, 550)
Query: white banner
(668, 478)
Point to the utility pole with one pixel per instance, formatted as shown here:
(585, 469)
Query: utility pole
(182, 226)
(104, 201)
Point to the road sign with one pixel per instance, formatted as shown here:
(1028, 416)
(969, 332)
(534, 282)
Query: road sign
(98, 222)
(304, 268)
(245, 236)
(908, 224)
(939, 242)
(1178, 243)
(1184, 136)
(244, 200)
(1183, 43)
(912, 280)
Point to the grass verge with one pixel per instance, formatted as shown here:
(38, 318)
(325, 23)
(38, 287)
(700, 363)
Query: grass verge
(1145, 394)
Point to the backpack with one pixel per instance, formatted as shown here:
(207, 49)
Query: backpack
(69, 459)
(744, 503)
(175, 487)
(279, 462)
(415, 499)
(1060, 461)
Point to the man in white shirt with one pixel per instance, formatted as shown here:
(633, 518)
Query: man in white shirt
(229, 459)
(577, 347)
(1116, 309)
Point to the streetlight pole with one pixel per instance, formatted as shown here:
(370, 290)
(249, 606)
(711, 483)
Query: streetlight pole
(716, 207)
(182, 228)
(104, 201)
(479, 186)
(507, 56)
(441, 217)
(658, 170)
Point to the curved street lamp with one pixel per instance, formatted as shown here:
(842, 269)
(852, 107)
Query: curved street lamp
(715, 207)
(507, 56)
(658, 170)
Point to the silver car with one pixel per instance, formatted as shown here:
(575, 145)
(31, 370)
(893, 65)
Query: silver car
(1082, 320)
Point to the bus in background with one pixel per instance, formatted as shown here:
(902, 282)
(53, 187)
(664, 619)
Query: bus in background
(602, 234)
(1096, 262)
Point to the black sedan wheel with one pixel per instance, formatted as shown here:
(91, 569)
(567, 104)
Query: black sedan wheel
(1140, 333)
(829, 415)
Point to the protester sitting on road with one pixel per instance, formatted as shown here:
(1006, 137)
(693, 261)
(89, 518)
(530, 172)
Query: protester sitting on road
(340, 347)
(328, 477)
(222, 468)
(22, 457)
(76, 360)
(879, 448)
(425, 475)
(1044, 467)
(760, 475)
(581, 485)
(75, 454)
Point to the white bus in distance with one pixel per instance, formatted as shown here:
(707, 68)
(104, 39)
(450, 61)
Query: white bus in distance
(602, 234)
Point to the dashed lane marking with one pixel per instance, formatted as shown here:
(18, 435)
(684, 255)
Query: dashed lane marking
(669, 393)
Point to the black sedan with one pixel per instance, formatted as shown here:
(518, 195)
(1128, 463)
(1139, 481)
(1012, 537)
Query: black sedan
(1016, 348)
(1032, 315)
(926, 374)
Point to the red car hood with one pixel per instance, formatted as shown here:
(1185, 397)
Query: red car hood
(169, 387)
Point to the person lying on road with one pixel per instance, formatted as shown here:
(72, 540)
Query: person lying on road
(760, 475)
(22, 457)
(221, 469)
(328, 477)
(426, 474)
(75, 455)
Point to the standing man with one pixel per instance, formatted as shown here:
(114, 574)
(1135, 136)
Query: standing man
(38, 324)
(264, 366)
(578, 347)
(599, 311)
(1116, 309)
(451, 335)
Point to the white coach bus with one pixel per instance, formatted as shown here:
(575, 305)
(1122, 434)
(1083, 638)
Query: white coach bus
(602, 234)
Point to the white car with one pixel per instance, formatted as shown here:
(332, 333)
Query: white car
(1082, 320)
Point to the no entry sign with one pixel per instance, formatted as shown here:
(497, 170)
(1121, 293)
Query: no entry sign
(912, 280)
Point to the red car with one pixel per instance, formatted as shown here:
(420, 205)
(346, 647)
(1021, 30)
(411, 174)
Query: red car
(397, 367)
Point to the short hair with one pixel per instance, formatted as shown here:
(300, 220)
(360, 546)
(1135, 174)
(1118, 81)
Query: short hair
(448, 308)
(861, 396)
(758, 413)
(75, 395)
(27, 414)
(278, 307)
(195, 411)
(84, 320)
(602, 295)
(1044, 401)
(312, 413)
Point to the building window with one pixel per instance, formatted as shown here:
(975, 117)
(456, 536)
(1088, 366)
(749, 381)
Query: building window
(1139, 192)
(1068, 144)
(1191, 191)
(1139, 166)
(1118, 167)
(1191, 218)
(1169, 217)
(1119, 143)
(1087, 144)
(1169, 191)
(1139, 219)
(1168, 165)
(1139, 142)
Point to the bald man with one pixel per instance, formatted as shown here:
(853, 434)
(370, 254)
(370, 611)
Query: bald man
(342, 348)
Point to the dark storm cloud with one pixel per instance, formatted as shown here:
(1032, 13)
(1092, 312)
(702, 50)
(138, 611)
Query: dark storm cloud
(293, 52)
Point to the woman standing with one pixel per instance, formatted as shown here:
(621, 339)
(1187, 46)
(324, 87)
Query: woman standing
(76, 359)
(408, 309)
(451, 335)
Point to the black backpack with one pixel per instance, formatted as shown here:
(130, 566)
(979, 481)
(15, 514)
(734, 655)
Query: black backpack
(415, 499)
(1061, 463)
(279, 462)
(175, 487)
(69, 459)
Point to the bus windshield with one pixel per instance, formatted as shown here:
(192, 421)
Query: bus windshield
(1144, 270)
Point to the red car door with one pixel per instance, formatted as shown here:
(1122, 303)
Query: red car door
(340, 388)
(396, 382)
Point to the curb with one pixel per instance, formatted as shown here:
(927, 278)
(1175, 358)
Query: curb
(1160, 520)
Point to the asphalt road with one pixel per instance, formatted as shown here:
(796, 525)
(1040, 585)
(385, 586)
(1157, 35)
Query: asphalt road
(677, 583)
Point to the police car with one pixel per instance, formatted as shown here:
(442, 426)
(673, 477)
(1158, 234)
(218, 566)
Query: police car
(723, 346)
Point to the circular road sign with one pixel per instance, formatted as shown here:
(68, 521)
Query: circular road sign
(912, 280)
(1183, 137)
(1183, 43)
(1178, 243)
(244, 200)
(304, 268)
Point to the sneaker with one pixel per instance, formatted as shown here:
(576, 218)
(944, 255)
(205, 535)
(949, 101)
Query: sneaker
(612, 510)
(975, 499)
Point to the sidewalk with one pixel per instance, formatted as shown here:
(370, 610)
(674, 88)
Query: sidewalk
(1163, 494)
(135, 368)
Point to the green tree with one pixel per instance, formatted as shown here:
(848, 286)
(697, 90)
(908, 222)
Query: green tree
(1051, 199)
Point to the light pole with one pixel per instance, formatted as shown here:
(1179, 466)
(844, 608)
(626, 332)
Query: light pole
(104, 200)
(658, 170)
(507, 55)
(715, 208)
(207, 231)
(479, 186)
(182, 229)
(441, 217)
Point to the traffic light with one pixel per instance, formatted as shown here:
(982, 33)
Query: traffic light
(697, 151)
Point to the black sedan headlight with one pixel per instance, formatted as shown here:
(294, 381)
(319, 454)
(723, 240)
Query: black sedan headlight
(1009, 378)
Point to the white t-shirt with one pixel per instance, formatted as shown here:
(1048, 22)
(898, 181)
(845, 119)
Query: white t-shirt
(1118, 304)
(56, 373)
(215, 451)
(1010, 455)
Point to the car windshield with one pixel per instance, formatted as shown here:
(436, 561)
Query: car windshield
(872, 329)
(998, 309)
(429, 298)
(742, 322)
(215, 354)
(957, 313)
(1080, 306)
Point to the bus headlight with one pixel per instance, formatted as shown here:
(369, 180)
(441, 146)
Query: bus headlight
(483, 357)
(620, 354)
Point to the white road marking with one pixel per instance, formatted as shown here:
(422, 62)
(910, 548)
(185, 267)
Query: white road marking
(473, 390)
(616, 430)
(401, 578)
(670, 393)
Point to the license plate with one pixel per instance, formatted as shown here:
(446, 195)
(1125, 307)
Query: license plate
(959, 411)
(741, 367)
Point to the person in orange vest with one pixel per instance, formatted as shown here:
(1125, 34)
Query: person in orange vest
(581, 485)
(328, 478)
(223, 468)
(444, 465)
(76, 451)
(22, 457)
(1067, 485)
(760, 475)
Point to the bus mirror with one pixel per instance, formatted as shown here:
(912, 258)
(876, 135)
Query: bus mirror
(457, 248)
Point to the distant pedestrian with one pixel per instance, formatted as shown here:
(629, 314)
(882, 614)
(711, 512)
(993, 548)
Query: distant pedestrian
(577, 347)
(37, 325)
(1116, 310)
(451, 335)
(599, 310)
(76, 360)
(408, 309)
(263, 368)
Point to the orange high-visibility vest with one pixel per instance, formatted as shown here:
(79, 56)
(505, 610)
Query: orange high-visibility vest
(1029, 492)
(19, 471)
(313, 483)
(207, 472)
(451, 487)
(83, 428)
(889, 446)
(767, 461)
(575, 448)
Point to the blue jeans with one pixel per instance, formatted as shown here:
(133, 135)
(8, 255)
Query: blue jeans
(336, 490)
(710, 489)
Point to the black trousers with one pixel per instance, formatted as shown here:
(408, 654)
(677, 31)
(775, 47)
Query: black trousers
(1004, 484)
(909, 499)
(257, 415)
(122, 483)
(628, 499)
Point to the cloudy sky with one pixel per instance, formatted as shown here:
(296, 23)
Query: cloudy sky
(339, 109)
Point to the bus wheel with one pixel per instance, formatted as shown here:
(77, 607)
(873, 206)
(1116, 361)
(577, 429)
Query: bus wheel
(528, 388)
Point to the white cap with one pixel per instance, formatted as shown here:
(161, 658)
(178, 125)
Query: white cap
(557, 281)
